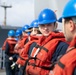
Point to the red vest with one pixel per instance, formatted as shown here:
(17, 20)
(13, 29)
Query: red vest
(4, 44)
(67, 62)
(12, 42)
(43, 53)
(20, 44)
(24, 52)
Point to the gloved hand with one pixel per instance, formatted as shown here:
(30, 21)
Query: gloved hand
(13, 65)
(10, 58)
(19, 66)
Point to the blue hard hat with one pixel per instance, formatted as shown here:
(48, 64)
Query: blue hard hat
(11, 33)
(47, 16)
(18, 32)
(69, 9)
(25, 27)
(34, 24)
(60, 20)
(28, 33)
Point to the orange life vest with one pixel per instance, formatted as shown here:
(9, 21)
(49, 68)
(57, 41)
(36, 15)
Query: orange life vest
(24, 52)
(67, 63)
(20, 44)
(12, 42)
(43, 53)
(34, 37)
(4, 44)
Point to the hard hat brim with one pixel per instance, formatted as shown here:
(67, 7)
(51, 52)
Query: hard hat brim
(60, 20)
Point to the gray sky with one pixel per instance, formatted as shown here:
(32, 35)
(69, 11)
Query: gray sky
(21, 13)
(25, 11)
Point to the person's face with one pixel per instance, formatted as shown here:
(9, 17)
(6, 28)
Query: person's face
(45, 29)
(68, 29)
(34, 31)
(19, 37)
(24, 34)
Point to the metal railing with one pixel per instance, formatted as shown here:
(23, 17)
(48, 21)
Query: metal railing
(2, 58)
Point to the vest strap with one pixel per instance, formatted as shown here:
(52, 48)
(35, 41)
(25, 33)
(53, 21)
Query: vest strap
(41, 47)
(61, 65)
(43, 67)
(21, 58)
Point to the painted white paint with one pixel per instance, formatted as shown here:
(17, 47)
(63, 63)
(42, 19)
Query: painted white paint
(52, 4)
(39, 5)
(58, 5)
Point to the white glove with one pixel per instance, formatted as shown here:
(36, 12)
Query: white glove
(13, 65)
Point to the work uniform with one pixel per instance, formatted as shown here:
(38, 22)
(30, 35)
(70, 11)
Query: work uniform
(42, 54)
(67, 63)
(9, 51)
